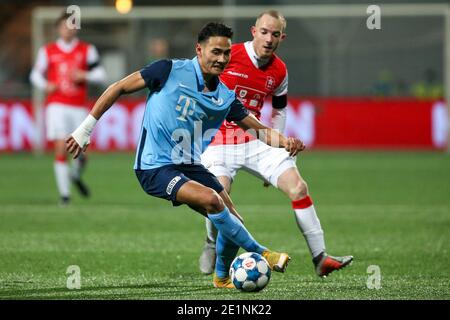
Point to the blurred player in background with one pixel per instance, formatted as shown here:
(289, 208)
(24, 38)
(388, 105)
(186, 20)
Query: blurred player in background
(255, 72)
(186, 105)
(63, 69)
(158, 48)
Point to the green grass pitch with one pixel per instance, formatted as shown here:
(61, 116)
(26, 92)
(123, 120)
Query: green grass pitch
(388, 209)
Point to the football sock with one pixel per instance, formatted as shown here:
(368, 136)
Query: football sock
(62, 176)
(211, 231)
(226, 251)
(309, 224)
(233, 229)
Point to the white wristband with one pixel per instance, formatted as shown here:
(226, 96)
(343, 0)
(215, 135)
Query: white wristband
(83, 133)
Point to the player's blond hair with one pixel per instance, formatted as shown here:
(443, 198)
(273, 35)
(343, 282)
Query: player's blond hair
(274, 14)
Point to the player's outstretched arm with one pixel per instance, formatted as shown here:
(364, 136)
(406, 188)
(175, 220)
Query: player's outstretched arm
(270, 136)
(80, 138)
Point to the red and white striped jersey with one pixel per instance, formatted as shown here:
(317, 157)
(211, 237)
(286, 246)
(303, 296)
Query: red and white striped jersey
(252, 85)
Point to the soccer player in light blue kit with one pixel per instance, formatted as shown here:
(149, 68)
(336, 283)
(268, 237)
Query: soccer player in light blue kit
(186, 105)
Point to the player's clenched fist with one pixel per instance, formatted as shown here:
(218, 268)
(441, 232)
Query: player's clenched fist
(294, 146)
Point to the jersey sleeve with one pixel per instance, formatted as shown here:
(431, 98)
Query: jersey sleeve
(156, 74)
(282, 88)
(38, 73)
(96, 72)
(93, 58)
(237, 111)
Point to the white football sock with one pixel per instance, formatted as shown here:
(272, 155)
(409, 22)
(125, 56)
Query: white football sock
(309, 224)
(211, 231)
(62, 177)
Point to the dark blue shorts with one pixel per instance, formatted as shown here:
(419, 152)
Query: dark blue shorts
(164, 182)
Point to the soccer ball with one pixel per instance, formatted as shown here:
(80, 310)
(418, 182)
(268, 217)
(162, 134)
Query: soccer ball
(250, 272)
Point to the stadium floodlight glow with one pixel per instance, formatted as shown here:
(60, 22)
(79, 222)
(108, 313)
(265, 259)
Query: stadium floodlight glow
(124, 6)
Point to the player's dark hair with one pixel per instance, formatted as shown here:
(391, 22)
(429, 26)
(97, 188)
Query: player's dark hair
(214, 29)
(62, 17)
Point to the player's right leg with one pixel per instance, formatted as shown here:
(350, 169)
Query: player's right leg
(197, 195)
(293, 185)
(276, 166)
(62, 173)
(223, 161)
(196, 187)
(207, 260)
(230, 229)
(56, 131)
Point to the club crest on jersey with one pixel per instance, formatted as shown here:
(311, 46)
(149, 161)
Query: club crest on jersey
(242, 93)
(270, 83)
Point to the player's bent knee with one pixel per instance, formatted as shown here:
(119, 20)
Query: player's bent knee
(299, 191)
(213, 202)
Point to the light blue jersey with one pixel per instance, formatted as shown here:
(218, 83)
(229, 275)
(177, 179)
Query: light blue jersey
(180, 120)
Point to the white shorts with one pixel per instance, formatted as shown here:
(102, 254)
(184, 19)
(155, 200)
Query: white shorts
(62, 120)
(256, 157)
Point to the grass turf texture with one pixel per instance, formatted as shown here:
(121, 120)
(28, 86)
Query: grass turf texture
(387, 209)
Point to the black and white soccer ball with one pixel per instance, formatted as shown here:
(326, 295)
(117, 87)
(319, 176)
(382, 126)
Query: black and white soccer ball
(250, 272)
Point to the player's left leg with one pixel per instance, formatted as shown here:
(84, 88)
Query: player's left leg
(75, 117)
(293, 185)
(226, 251)
(78, 167)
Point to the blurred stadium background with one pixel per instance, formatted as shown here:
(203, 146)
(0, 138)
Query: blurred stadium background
(351, 90)
(349, 86)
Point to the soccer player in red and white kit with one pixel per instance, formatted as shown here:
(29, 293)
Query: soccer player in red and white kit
(254, 73)
(63, 69)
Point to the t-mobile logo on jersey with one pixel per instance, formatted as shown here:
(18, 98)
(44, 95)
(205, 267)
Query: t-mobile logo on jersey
(186, 105)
